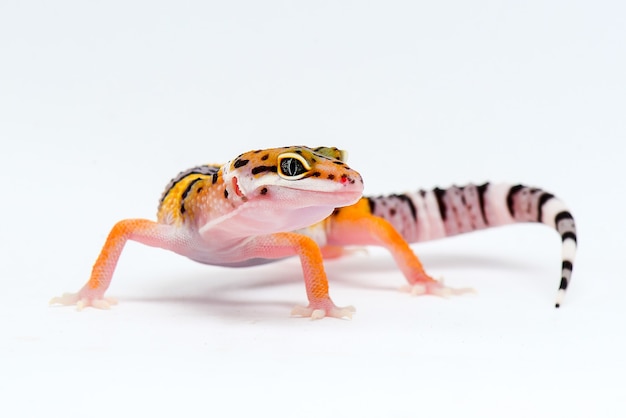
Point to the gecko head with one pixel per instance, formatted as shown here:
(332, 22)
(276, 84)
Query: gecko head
(296, 176)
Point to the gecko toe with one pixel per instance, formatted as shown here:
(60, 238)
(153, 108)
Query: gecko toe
(81, 301)
(315, 312)
(435, 288)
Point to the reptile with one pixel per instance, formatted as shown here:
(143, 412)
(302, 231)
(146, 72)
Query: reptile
(266, 205)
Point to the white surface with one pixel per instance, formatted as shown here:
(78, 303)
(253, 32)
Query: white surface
(101, 105)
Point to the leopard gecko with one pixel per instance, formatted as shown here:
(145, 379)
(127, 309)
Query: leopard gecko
(266, 205)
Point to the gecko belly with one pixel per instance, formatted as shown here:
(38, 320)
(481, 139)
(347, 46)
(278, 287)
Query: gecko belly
(246, 263)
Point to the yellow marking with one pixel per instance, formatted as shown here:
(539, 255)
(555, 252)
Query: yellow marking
(170, 210)
(332, 152)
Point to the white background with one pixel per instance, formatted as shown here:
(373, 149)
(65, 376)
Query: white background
(101, 104)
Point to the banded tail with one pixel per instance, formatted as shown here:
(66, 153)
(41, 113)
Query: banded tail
(438, 213)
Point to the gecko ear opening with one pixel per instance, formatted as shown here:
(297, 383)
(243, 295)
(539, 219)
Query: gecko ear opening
(236, 187)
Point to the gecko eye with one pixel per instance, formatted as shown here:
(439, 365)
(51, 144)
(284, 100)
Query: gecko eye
(292, 166)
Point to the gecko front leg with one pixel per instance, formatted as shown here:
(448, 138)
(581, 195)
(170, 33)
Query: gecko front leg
(286, 244)
(140, 230)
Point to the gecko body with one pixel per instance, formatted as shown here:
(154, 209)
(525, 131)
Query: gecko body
(266, 205)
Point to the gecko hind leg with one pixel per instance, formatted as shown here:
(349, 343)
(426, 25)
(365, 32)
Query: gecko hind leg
(374, 230)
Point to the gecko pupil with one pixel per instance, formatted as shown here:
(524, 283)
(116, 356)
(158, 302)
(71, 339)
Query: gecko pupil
(291, 167)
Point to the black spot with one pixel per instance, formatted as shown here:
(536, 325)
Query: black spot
(569, 235)
(562, 216)
(199, 190)
(263, 168)
(371, 204)
(482, 189)
(439, 194)
(509, 198)
(409, 203)
(215, 177)
(226, 193)
(240, 163)
(567, 265)
(265, 157)
(336, 212)
(264, 190)
(463, 201)
(188, 188)
(392, 212)
(331, 177)
(339, 162)
(542, 201)
(316, 174)
(205, 170)
(563, 285)
(183, 196)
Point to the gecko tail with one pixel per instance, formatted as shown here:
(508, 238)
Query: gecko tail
(529, 204)
(432, 214)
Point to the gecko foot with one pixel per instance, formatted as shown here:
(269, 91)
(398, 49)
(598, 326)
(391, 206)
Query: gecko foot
(319, 311)
(82, 301)
(435, 288)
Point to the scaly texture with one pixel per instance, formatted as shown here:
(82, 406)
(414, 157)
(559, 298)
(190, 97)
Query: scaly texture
(438, 213)
(270, 204)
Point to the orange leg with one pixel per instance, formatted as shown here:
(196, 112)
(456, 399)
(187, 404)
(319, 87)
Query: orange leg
(354, 227)
(141, 230)
(287, 244)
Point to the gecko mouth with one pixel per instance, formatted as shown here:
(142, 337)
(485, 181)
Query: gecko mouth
(311, 195)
